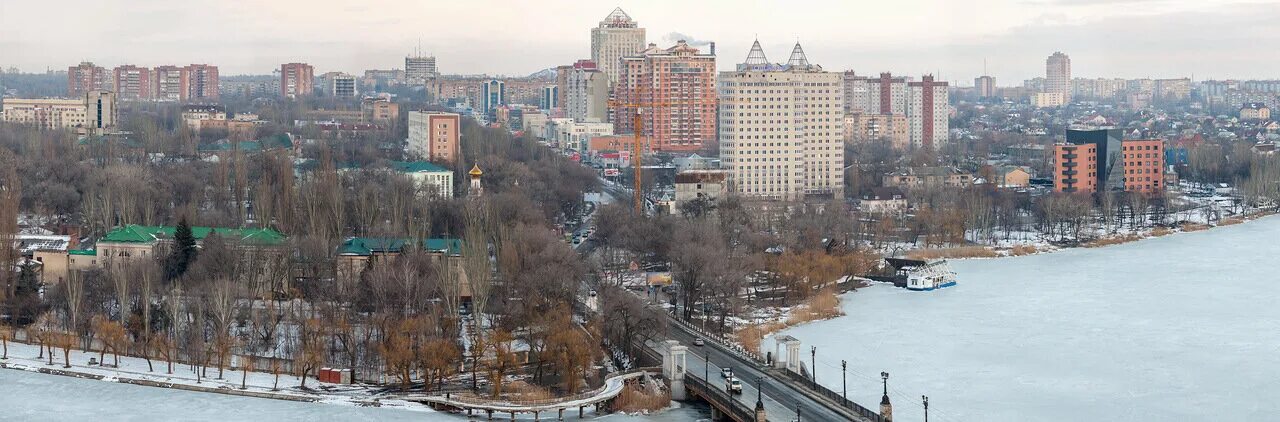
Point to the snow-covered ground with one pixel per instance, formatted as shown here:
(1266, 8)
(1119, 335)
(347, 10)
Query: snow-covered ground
(29, 395)
(1172, 328)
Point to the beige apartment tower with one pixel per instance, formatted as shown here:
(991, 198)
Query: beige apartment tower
(782, 128)
(616, 37)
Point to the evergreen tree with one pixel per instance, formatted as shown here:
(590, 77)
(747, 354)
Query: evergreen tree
(184, 251)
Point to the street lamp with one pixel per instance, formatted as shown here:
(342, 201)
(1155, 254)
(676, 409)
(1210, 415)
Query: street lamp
(706, 367)
(844, 381)
(759, 393)
(797, 412)
(813, 364)
(926, 407)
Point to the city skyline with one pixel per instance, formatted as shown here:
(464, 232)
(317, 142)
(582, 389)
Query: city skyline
(1104, 38)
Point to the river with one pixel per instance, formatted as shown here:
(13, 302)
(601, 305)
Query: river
(1180, 327)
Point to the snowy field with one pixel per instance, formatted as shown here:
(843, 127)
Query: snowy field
(30, 396)
(1177, 328)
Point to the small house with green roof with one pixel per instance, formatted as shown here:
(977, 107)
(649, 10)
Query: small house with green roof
(130, 241)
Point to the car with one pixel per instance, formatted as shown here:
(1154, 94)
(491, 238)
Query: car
(593, 293)
(698, 342)
(733, 386)
(726, 373)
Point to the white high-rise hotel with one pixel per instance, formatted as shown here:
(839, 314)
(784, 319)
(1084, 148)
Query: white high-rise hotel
(617, 36)
(781, 128)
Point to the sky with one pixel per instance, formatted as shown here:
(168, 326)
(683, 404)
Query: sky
(1204, 39)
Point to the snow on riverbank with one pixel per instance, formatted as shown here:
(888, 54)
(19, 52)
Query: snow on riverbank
(134, 370)
(1172, 328)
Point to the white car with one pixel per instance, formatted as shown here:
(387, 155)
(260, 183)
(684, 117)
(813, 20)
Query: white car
(726, 373)
(698, 342)
(733, 386)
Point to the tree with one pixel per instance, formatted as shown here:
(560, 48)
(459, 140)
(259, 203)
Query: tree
(504, 358)
(184, 251)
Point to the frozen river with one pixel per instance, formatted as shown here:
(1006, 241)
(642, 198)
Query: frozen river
(1179, 328)
(28, 396)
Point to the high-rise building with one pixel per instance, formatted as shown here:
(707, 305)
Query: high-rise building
(202, 83)
(680, 83)
(170, 83)
(985, 86)
(493, 93)
(928, 112)
(87, 77)
(418, 69)
(562, 81)
(549, 95)
(342, 85)
(616, 37)
(781, 128)
(1057, 75)
(891, 129)
(296, 80)
(587, 96)
(132, 82)
(100, 111)
(433, 135)
(881, 95)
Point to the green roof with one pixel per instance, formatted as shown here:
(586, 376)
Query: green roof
(277, 141)
(88, 252)
(146, 234)
(415, 166)
(365, 246)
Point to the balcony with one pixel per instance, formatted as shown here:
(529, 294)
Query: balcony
(1070, 181)
(1070, 173)
(1070, 164)
(1070, 156)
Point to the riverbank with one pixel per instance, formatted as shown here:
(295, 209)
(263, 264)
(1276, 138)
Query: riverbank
(133, 370)
(1041, 246)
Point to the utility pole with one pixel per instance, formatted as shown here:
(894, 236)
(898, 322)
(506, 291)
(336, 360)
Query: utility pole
(926, 407)
(706, 367)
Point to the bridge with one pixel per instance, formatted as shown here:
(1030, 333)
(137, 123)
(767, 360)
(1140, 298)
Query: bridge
(471, 403)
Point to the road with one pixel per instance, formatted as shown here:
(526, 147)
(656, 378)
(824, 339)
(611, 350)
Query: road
(780, 399)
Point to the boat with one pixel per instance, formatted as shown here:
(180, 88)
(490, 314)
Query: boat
(932, 275)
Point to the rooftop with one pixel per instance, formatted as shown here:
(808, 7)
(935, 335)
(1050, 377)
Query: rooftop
(366, 246)
(133, 233)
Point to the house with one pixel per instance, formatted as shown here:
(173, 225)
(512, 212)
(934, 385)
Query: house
(50, 251)
(133, 241)
(912, 177)
(883, 201)
(427, 176)
(694, 184)
(356, 253)
(1011, 176)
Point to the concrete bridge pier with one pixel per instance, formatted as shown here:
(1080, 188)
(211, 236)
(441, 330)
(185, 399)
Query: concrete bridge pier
(580, 411)
(673, 367)
(513, 416)
(490, 412)
(561, 417)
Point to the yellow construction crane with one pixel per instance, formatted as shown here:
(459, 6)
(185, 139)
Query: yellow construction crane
(637, 148)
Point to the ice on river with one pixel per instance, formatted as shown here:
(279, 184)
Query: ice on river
(1181, 327)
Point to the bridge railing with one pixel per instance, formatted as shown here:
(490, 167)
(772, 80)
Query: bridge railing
(722, 340)
(719, 398)
(832, 395)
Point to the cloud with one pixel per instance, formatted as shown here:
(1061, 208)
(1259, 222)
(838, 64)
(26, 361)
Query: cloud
(672, 37)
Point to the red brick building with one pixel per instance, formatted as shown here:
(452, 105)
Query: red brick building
(132, 82)
(86, 77)
(296, 80)
(202, 83)
(1075, 168)
(1143, 165)
(683, 82)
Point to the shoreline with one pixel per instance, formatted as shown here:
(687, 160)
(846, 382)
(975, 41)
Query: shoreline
(54, 370)
(997, 252)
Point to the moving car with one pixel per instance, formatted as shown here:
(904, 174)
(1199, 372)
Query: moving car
(726, 373)
(698, 342)
(733, 386)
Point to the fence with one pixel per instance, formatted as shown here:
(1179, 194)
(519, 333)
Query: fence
(823, 391)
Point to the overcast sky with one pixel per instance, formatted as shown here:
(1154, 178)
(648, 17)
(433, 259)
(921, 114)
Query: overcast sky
(1114, 38)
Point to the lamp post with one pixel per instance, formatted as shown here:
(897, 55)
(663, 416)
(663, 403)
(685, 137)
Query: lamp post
(813, 364)
(844, 381)
(797, 412)
(926, 407)
(706, 367)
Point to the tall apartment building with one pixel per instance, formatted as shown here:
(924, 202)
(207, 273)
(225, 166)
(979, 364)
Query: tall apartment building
(1057, 75)
(493, 93)
(433, 135)
(886, 95)
(587, 92)
(202, 83)
(781, 128)
(86, 77)
(94, 112)
(296, 80)
(549, 95)
(342, 85)
(928, 112)
(985, 86)
(418, 69)
(132, 82)
(1099, 159)
(170, 83)
(682, 81)
(616, 37)
(562, 81)
(867, 127)
(857, 90)
(379, 110)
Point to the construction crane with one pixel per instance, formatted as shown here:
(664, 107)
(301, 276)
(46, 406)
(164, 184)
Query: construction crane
(637, 148)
